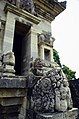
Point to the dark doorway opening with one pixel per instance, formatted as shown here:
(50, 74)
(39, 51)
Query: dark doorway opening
(19, 45)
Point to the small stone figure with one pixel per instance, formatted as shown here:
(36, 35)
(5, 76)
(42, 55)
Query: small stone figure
(68, 96)
(42, 99)
(41, 38)
(46, 37)
(63, 98)
(18, 3)
(9, 59)
(57, 100)
(28, 5)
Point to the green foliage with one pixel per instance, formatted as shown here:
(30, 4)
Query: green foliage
(68, 72)
(56, 57)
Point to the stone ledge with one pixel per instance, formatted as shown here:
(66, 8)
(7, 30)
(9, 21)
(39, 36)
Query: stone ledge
(14, 82)
(71, 114)
(22, 13)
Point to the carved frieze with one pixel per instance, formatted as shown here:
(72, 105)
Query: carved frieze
(27, 5)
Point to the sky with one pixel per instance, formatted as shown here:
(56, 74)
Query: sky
(65, 29)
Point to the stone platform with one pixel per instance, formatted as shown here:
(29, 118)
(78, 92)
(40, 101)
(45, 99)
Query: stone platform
(71, 114)
(13, 97)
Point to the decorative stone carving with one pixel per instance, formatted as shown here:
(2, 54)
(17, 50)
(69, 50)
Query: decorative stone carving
(18, 3)
(46, 37)
(27, 5)
(51, 92)
(41, 37)
(43, 96)
(9, 59)
(7, 64)
(12, 1)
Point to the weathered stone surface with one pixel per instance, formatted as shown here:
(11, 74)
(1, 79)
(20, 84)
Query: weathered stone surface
(9, 59)
(7, 62)
(8, 82)
(27, 5)
(51, 93)
(72, 114)
(18, 85)
(43, 96)
(46, 37)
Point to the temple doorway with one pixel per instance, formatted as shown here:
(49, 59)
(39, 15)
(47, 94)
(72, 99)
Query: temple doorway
(21, 48)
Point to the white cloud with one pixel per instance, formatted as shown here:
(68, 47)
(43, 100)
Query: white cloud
(65, 28)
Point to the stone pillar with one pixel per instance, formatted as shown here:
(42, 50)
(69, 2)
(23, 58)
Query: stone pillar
(34, 44)
(9, 33)
(22, 114)
(1, 36)
(51, 55)
(42, 52)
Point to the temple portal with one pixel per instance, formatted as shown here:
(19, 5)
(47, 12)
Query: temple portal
(21, 47)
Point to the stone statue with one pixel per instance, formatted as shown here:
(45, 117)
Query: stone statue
(28, 5)
(41, 37)
(18, 3)
(46, 37)
(57, 100)
(63, 97)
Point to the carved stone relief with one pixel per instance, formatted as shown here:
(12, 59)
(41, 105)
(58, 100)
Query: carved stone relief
(51, 92)
(46, 37)
(7, 64)
(27, 5)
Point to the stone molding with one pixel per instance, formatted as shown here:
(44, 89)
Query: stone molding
(22, 13)
(71, 114)
(47, 10)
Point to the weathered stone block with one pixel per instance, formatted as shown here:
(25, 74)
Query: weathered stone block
(8, 82)
(71, 114)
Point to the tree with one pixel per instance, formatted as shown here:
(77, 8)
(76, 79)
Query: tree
(67, 71)
(56, 57)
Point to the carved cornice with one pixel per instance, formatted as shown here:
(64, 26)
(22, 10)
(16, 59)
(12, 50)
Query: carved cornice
(22, 13)
(48, 10)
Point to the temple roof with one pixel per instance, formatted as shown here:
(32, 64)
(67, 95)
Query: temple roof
(49, 9)
(46, 9)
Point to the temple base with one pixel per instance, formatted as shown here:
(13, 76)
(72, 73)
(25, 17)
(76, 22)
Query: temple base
(71, 114)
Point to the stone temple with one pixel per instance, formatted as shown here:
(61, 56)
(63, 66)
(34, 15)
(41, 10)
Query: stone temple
(32, 85)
